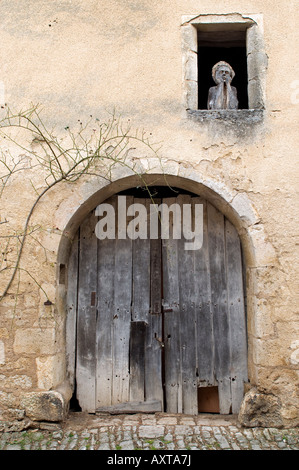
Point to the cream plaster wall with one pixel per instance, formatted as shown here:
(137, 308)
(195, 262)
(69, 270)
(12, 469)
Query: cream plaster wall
(81, 58)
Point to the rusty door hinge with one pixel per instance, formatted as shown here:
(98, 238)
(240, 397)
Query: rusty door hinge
(166, 308)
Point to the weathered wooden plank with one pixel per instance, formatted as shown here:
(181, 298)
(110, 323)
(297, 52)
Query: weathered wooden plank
(203, 311)
(154, 336)
(122, 317)
(153, 359)
(173, 377)
(72, 303)
(151, 406)
(105, 312)
(171, 306)
(137, 361)
(155, 280)
(140, 307)
(236, 311)
(187, 320)
(141, 272)
(219, 306)
(86, 323)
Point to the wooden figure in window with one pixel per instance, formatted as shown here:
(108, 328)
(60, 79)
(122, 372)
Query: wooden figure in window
(223, 96)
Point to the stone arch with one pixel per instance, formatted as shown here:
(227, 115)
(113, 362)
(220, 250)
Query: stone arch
(236, 206)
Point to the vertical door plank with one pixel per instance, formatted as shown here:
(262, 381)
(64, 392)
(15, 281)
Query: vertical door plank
(86, 324)
(71, 319)
(154, 337)
(106, 273)
(156, 270)
(204, 318)
(137, 361)
(187, 320)
(171, 307)
(122, 317)
(219, 306)
(141, 272)
(236, 311)
(153, 359)
(140, 308)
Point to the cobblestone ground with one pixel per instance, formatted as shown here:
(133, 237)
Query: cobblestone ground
(149, 432)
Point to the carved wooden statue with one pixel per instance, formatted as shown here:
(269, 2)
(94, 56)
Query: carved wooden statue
(223, 96)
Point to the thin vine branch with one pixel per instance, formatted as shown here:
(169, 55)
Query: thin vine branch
(90, 152)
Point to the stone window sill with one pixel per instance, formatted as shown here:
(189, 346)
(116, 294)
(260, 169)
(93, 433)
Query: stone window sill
(239, 116)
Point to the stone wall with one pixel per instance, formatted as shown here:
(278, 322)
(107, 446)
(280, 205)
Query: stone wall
(87, 58)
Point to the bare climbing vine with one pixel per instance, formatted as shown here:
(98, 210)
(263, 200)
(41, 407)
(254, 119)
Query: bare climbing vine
(29, 148)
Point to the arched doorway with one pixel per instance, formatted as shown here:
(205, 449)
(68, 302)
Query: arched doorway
(159, 327)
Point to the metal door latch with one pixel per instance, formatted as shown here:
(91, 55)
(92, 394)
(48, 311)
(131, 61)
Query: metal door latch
(159, 340)
(166, 308)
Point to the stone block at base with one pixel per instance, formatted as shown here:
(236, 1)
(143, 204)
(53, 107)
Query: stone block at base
(260, 410)
(44, 406)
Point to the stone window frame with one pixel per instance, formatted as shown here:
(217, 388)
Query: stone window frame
(255, 51)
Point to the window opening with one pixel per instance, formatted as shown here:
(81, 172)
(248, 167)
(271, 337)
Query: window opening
(235, 39)
(216, 46)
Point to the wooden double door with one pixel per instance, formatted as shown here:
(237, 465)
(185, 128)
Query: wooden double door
(156, 323)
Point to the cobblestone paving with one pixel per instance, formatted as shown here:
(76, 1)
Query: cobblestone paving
(149, 432)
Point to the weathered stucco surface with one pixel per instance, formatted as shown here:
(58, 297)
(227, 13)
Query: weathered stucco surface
(83, 57)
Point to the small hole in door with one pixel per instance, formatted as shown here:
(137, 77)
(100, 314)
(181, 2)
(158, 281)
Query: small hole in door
(208, 400)
(74, 403)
